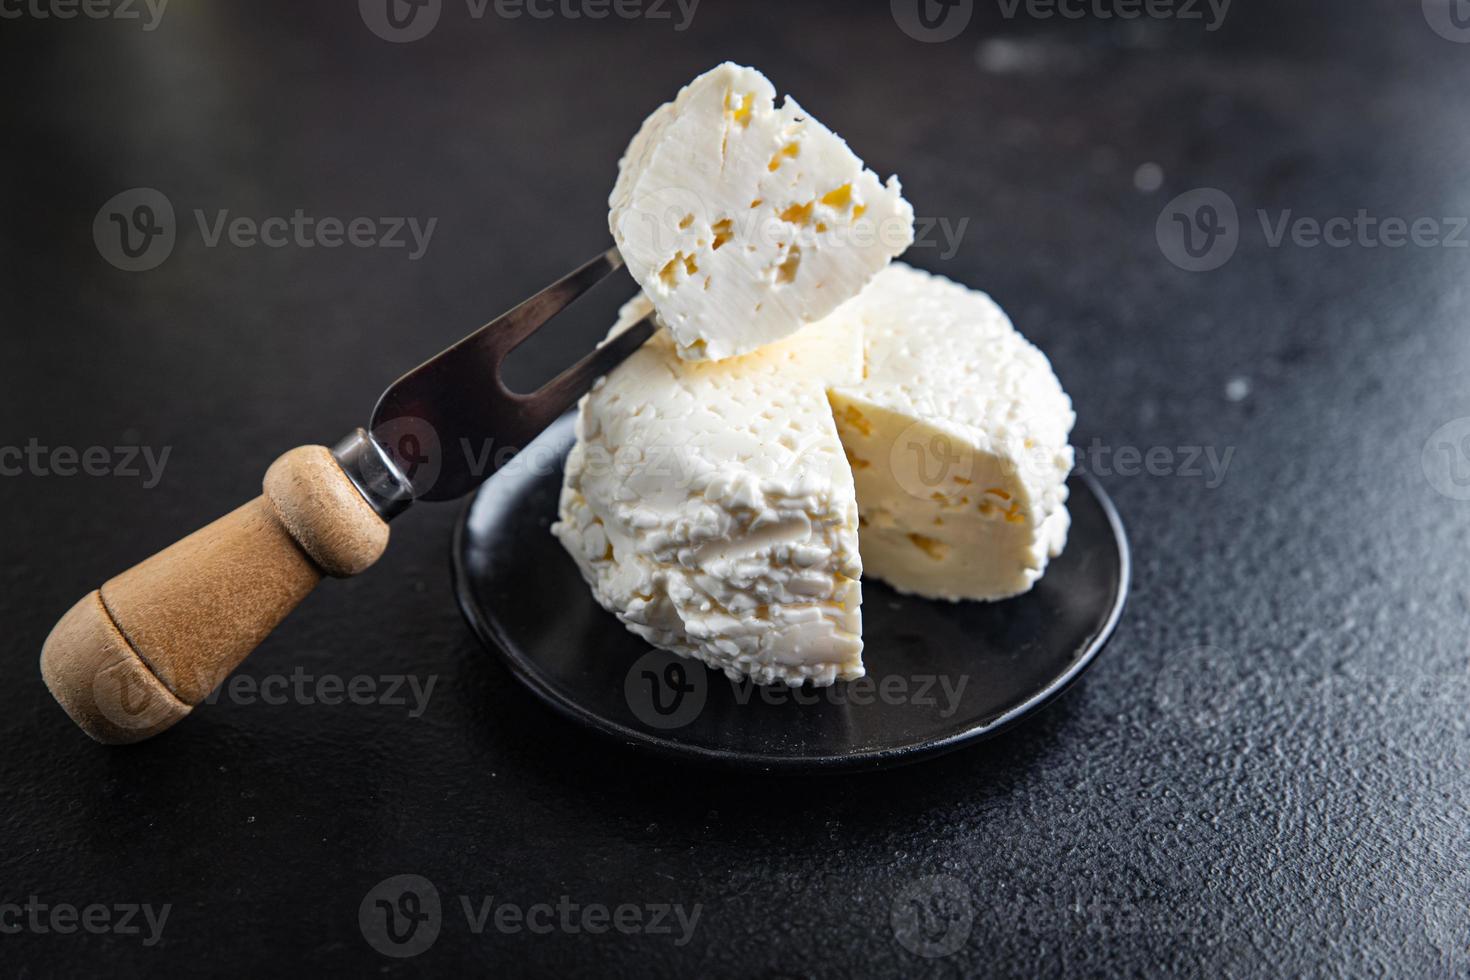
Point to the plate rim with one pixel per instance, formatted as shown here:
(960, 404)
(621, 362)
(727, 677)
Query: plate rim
(489, 634)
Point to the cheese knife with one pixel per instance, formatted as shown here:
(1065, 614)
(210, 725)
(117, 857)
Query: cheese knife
(134, 657)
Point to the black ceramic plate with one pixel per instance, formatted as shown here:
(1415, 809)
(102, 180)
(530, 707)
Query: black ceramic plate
(940, 675)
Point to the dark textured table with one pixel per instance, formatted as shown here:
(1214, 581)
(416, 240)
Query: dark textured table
(1267, 773)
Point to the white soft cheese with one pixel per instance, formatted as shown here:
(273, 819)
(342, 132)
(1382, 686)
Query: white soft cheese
(958, 439)
(743, 221)
(710, 507)
(715, 508)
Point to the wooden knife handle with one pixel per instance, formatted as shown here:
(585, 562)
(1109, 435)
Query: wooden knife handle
(133, 657)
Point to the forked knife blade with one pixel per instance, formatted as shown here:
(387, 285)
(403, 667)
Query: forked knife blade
(451, 422)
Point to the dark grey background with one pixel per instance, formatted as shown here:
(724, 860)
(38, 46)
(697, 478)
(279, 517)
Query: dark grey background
(1266, 773)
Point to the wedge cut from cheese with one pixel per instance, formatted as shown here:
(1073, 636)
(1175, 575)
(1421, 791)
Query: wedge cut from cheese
(742, 220)
(710, 507)
(958, 439)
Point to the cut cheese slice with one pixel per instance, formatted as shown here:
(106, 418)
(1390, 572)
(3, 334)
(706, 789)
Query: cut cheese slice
(742, 220)
(710, 508)
(958, 439)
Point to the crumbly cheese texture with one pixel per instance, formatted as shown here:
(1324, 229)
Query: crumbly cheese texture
(711, 509)
(958, 440)
(715, 507)
(743, 221)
